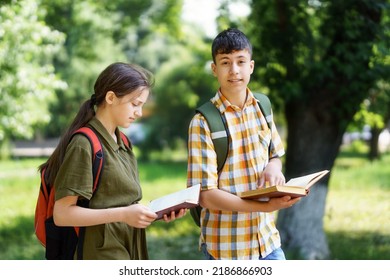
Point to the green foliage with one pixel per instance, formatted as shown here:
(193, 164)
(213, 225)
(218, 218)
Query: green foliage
(27, 79)
(183, 81)
(364, 116)
(375, 110)
(165, 18)
(99, 33)
(310, 51)
(90, 29)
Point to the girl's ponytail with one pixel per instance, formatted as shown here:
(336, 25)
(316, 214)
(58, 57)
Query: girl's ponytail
(85, 114)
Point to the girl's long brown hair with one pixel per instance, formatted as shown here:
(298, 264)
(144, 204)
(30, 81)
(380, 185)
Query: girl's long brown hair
(122, 79)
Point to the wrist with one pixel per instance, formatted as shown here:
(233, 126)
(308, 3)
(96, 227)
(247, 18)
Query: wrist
(275, 164)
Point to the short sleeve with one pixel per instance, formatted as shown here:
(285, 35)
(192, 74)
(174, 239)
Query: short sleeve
(75, 177)
(202, 159)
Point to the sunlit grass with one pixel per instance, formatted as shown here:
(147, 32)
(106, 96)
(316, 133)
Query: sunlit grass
(358, 209)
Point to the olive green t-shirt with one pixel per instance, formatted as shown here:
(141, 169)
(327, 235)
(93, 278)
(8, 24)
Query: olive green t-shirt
(119, 186)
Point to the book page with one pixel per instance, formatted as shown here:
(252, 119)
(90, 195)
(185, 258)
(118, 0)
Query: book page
(304, 181)
(188, 194)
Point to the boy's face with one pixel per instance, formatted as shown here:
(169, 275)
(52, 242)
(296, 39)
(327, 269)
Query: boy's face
(233, 70)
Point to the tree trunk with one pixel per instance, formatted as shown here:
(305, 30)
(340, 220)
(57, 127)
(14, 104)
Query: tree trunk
(314, 138)
(374, 144)
(301, 227)
(322, 67)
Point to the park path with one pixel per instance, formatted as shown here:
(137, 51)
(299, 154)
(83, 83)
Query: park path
(38, 148)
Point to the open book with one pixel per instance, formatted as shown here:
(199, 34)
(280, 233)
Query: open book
(183, 199)
(296, 187)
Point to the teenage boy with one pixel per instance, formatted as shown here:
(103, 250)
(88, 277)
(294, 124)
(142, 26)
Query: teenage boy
(231, 227)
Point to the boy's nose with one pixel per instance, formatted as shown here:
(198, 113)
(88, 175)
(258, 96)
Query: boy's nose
(234, 68)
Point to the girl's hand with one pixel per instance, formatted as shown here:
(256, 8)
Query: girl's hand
(138, 215)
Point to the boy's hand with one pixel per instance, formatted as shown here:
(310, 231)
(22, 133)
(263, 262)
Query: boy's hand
(278, 203)
(272, 174)
(174, 215)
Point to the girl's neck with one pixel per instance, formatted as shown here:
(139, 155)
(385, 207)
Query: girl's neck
(105, 120)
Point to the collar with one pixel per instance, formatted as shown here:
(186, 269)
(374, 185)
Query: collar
(223, 104)
(104, 135)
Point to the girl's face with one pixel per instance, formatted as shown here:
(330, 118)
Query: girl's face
(127, 109)
(233, 71)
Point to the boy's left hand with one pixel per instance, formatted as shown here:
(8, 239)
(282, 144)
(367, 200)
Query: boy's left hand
(174, 215)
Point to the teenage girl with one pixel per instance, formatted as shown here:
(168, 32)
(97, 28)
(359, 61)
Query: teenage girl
(115, 220)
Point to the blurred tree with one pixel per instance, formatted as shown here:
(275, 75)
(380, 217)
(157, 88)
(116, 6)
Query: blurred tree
(317, 57)
(27, 77)
(182, 82)
(91, 29)
(375, 109)
(99, 33)
(178, 55)
(374, 112)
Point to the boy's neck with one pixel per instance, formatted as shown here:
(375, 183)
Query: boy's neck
(235, 98)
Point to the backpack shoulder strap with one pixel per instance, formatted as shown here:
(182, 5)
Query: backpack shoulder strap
(97, 167)
(97, 153)
(218, 127)
(126, 140)
(45, 188)
(265, 107)
(218, 131)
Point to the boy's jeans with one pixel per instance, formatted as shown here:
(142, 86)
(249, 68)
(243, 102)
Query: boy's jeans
(277, 254)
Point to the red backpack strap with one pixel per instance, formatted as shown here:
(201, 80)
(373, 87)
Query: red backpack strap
(45, 188)
(97, 167)
(125, 140)
(42, 208)
(97, 153)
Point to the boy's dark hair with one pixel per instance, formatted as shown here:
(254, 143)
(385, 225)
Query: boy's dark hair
(230, 40)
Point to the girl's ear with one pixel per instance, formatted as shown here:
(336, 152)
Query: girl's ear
(110, 97)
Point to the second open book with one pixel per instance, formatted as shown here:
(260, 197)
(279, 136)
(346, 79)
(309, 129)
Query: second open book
(189, 197)
(182, 199)
(296, 187)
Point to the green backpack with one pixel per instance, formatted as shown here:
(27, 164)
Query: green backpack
(219, 134)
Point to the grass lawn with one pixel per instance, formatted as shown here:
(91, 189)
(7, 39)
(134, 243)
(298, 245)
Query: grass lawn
(356, 221)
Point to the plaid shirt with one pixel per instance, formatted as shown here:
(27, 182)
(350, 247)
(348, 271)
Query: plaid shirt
(231, 234)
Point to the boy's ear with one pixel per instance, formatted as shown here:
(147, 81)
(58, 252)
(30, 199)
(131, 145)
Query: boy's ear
(213, 69)
(110, 96)
(252, 66)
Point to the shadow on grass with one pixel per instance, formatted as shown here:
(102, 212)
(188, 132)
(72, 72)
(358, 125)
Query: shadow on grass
(359, 246)
(18, 241)
(177, 240)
